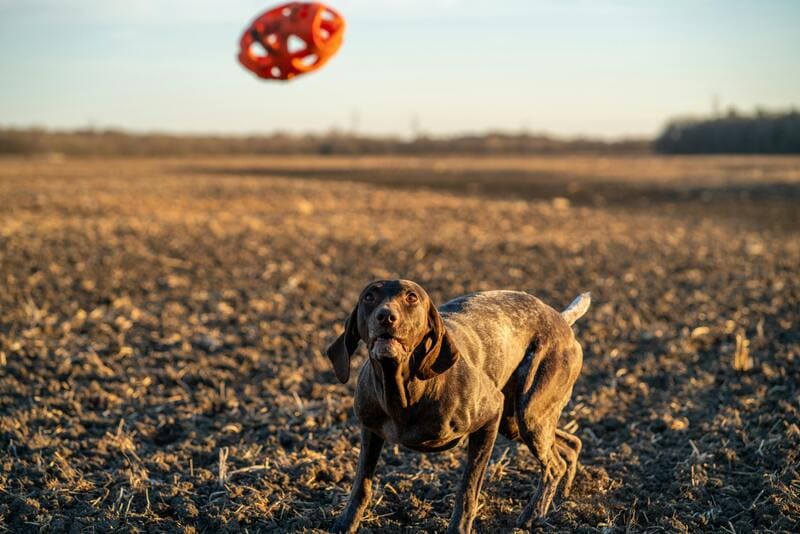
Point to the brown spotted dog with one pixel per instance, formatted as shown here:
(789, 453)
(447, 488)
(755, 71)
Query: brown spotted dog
(483, 363)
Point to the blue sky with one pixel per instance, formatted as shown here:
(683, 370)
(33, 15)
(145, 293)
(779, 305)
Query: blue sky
(606, 68)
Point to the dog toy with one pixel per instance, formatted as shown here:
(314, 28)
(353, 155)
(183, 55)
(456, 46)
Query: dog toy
(291, 39)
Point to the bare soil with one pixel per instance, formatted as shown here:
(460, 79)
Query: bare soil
(163, 323)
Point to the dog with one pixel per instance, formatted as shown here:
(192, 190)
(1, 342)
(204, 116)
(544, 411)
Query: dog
(483, 363)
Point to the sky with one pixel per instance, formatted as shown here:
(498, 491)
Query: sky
(564, 67)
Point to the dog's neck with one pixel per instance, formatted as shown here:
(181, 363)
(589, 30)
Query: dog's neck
(400, 389)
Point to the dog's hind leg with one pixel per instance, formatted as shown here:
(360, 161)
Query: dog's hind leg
(553, 469)
(545, 381)
(569, 445)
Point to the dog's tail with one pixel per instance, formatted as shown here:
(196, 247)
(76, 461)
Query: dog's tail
(577, 308)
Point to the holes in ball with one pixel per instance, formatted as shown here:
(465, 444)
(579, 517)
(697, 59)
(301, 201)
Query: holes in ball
(286, 12)
(309, 60)
(257, 50)
(325, 34)
(275, 72)
(328, 15)
(295, 44)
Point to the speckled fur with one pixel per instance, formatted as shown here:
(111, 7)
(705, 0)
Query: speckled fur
(505, 362)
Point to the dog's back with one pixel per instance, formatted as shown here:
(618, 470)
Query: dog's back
(494, 329)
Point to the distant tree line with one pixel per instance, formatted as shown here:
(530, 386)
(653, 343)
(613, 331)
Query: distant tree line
(119, 143)
(760, 133)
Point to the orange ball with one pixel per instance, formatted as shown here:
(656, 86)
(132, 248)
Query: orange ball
(291, 39)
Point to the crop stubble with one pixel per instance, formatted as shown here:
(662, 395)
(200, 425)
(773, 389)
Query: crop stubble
(162, 323)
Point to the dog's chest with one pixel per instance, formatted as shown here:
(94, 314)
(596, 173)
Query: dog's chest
(431, 438)
(422, 430)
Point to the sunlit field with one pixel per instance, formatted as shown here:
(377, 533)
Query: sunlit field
(163, 323)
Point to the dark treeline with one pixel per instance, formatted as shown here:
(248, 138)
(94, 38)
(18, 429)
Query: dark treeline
(761, 133)
(118, 143)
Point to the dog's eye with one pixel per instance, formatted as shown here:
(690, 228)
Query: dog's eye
(369, 297)
(411, 298)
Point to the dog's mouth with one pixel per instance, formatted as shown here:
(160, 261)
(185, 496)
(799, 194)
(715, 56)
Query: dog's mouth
(386, 344)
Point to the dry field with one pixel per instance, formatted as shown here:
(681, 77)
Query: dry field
(162, 324)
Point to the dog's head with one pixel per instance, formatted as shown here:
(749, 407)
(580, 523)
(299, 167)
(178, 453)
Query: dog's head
(397, 321)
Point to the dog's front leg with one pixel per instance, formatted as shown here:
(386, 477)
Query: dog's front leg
(481, 443)
(361, 493)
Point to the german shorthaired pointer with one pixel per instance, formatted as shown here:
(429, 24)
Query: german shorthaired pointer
(482, 363)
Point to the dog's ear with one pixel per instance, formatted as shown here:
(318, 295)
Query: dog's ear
(437, 353)
(342, 349)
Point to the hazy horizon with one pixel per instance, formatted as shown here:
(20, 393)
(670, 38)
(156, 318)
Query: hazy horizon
(448, 67)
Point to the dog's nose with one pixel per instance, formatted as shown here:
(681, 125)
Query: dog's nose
(386, 316)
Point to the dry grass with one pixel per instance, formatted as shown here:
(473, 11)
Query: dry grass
(162, 322)
(742, 360)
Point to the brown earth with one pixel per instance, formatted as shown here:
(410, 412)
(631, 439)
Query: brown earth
(163, 322)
